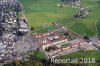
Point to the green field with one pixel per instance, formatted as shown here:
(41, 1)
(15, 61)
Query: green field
(45, 29)
(81, 29)
(88, 22)
(40, 12)
(84, 54)
(39, 55)
(98, 27)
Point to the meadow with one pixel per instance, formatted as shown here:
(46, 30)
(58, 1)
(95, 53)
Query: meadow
(85, 54)
(40, 12)
(98, 28)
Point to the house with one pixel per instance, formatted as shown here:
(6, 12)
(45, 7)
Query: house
(23, 26)
(49, 38)
(53, 43)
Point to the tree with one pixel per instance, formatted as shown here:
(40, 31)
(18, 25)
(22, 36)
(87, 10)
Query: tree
(98, 2)
(32, 28)
(19, 33)
(8, 64)
(62, 0)
(86, 37)
(66, 33)
(17, 7)
(16, 63)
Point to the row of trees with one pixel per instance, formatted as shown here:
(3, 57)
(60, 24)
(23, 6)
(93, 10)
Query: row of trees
(35, 61)
(39, 63)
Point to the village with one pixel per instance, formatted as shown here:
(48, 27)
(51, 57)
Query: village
(17, 37)
(12, 30)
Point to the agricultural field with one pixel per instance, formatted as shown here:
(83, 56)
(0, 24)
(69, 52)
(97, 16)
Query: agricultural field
(40, 12)
(85, 25)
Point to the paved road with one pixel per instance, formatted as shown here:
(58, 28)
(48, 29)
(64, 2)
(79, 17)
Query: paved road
(96, 28)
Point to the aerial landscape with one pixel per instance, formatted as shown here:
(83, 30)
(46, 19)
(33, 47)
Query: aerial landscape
(49, 32)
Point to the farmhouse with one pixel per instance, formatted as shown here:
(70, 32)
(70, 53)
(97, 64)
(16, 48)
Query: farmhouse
(82, 13)
(71, 2)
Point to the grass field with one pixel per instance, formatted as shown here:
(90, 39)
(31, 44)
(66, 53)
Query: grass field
(98, 27)
(84, 54)
(88, 22)
(40, 55)
(81, 29)
(45, 29)
(40, 12)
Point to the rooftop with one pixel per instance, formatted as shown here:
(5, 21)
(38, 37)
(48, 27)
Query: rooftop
(49, 37)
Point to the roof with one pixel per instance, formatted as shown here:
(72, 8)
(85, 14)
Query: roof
(49, 37)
